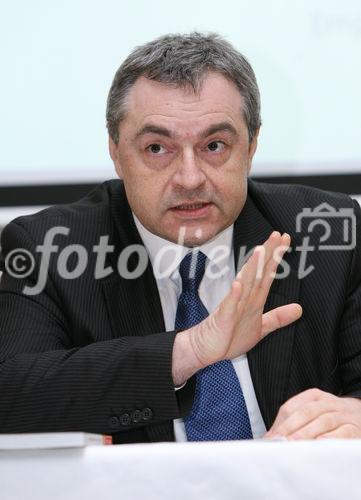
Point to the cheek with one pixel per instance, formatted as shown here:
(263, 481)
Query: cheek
(144, 195)
(231, 184)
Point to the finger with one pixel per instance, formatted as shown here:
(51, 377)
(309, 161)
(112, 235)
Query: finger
(277, 255)
(250, 272)
(262, 286)
(244, 282)
(297, 402)
(273, 242)
(324, 423)
(253, 270)
(268, 247)
(305, 417)
(280, 317)
(228, 307)
(345, 431)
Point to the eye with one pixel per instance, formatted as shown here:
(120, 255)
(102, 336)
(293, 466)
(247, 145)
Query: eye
(156, 149)
(216, 146)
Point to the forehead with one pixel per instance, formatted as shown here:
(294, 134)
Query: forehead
(183, 110)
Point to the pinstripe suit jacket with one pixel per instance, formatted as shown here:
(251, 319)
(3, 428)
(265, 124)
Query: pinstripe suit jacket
(92, 355)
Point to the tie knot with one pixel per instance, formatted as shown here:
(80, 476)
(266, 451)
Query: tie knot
(191, 270)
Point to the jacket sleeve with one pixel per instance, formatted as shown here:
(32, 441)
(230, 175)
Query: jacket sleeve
(49, 384)
(349, 333)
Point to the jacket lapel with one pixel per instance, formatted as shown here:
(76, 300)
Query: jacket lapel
(270, 359)
(134, 306)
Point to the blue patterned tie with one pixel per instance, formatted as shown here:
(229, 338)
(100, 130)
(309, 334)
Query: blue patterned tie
(219, 410)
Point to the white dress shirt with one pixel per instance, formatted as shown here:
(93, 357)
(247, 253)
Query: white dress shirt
(165, 257)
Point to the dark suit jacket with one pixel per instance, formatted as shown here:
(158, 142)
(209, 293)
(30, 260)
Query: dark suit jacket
(92, 355)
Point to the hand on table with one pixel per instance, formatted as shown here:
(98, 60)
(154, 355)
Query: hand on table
(315, 414)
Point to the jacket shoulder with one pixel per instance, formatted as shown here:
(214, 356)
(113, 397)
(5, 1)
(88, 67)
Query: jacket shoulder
(92, 204)
(86, 218)
(296, 195)
(281, 204)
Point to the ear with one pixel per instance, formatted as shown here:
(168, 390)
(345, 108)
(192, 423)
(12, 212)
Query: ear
(113, 151)
(252, 149)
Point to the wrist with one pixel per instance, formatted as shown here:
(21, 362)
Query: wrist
(184, 361)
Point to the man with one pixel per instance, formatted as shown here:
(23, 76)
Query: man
(172, 352)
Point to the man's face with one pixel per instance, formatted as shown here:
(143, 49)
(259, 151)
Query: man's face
(184, 158)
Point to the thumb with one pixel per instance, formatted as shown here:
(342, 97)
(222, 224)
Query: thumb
(280, 317)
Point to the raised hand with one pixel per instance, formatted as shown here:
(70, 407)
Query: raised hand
(238, 323)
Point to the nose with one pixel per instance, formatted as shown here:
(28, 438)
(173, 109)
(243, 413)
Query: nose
(189, 174)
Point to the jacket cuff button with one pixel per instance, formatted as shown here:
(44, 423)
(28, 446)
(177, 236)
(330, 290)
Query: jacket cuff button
(125, 419)
(113, 423)
(136, 416)
(147, 414)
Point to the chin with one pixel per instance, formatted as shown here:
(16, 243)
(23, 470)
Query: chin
(187, 240)
(191, 243)
(195, 239)
(191, 235)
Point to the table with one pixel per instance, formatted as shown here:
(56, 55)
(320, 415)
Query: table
(246, 470)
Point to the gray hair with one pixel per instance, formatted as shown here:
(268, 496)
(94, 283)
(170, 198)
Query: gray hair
(184, 61)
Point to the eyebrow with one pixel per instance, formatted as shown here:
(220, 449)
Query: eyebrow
(153, 129)
(217, 127)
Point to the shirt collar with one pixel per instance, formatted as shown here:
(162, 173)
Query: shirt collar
(166, 256)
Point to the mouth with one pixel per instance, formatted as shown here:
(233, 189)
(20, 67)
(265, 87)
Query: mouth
(192, 210)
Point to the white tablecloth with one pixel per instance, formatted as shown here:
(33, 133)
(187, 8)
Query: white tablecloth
(186, 471)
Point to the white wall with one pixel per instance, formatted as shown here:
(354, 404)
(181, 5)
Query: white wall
(58, 60)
